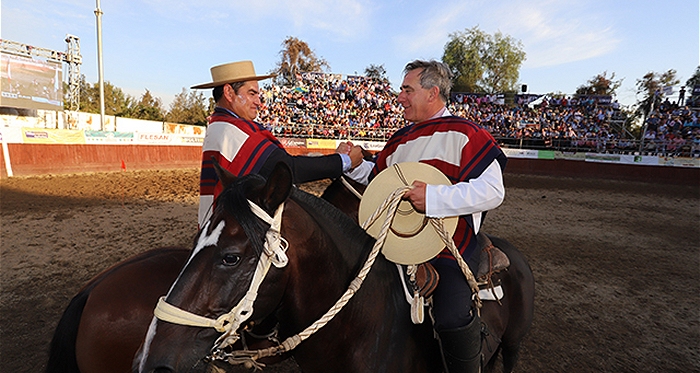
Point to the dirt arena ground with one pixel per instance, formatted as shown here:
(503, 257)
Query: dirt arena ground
(617, 264)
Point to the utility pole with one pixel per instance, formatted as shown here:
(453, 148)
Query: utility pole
(98, 14)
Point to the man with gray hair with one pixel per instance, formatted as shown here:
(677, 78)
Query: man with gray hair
(469, 156)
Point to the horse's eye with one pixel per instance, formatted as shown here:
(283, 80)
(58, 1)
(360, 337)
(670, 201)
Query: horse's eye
(231, 259)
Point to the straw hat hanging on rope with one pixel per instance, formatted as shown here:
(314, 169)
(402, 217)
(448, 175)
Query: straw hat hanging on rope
(412, 239)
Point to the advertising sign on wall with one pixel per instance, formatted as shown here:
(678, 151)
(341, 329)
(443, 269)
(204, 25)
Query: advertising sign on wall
(52, 136)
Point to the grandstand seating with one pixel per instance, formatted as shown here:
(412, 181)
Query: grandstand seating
(356, 107)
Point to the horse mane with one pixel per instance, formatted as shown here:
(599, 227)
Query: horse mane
(347, 235)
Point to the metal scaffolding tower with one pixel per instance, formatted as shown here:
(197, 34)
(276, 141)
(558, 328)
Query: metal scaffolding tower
(72, 57)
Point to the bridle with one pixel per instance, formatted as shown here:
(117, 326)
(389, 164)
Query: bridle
(274, 253)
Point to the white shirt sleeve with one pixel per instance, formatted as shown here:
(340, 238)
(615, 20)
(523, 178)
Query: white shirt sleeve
(484, 193)
(361, 172)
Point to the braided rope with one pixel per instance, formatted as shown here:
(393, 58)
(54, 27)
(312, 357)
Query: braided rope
(390, 204)
(440, 229)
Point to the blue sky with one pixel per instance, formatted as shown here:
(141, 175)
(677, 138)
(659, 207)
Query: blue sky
(167, 45)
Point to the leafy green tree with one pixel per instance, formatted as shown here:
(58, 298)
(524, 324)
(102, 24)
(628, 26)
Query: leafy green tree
(116, 101)
(148, 108)
(483, 63)
(693, 80)
(503, 58)
(376, 72)
(188, 108)
(600, 85)
(651, 87)
(463, 54)
(296, 57)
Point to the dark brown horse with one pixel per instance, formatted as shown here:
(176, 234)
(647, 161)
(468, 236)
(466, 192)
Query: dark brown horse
(372, 333)
(106, 321)
(506, 323)
(115, 308)
(103, 326)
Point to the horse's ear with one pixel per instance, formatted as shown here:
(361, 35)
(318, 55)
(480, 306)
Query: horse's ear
(278, 186)
(224, 175)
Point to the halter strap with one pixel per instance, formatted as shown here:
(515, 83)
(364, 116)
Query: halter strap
(274, 252)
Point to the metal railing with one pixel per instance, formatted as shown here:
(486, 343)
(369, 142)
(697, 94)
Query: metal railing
(574, 145)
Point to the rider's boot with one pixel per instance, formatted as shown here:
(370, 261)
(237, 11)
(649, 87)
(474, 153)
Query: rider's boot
(461, 347)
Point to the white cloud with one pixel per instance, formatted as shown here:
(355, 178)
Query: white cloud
(555, 33)
(430, 35)
(343, 18)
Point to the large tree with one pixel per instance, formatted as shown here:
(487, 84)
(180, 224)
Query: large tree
(693, 80)
(190, 108)
(483, 63)
(116, 101)
(651, 87)
(376, 72)
(297, 57)
(148, 108)
(600, 85)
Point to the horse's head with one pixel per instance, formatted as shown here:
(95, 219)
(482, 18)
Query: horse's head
(230, 280)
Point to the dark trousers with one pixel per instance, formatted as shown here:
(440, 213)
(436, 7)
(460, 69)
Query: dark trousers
(452, 299)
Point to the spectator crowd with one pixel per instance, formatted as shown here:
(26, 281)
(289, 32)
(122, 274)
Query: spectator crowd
(323, 105)
(672, 130)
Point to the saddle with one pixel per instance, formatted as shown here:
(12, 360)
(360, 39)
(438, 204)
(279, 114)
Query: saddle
(492, 260)
(423, 278)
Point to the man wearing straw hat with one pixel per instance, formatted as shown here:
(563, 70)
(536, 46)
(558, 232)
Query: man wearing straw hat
(243, 146)
(472, 161)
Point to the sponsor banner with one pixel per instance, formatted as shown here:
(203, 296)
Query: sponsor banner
(189, 140)
(20, 121)
(138, 125)
(592, 99)
(373, 146)
(320, 144)
(183, 129)
(154, 138)
(12, 135)
(52, 136)
(650, 160)
(89, 121)
(521, 153)
(679, 162)
(545, 154)
(108, 137)
(293, 142)
(570, 156)
(608, 158)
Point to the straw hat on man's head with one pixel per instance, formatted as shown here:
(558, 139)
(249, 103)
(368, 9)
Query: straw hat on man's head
(232, 72)
(411, 239)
